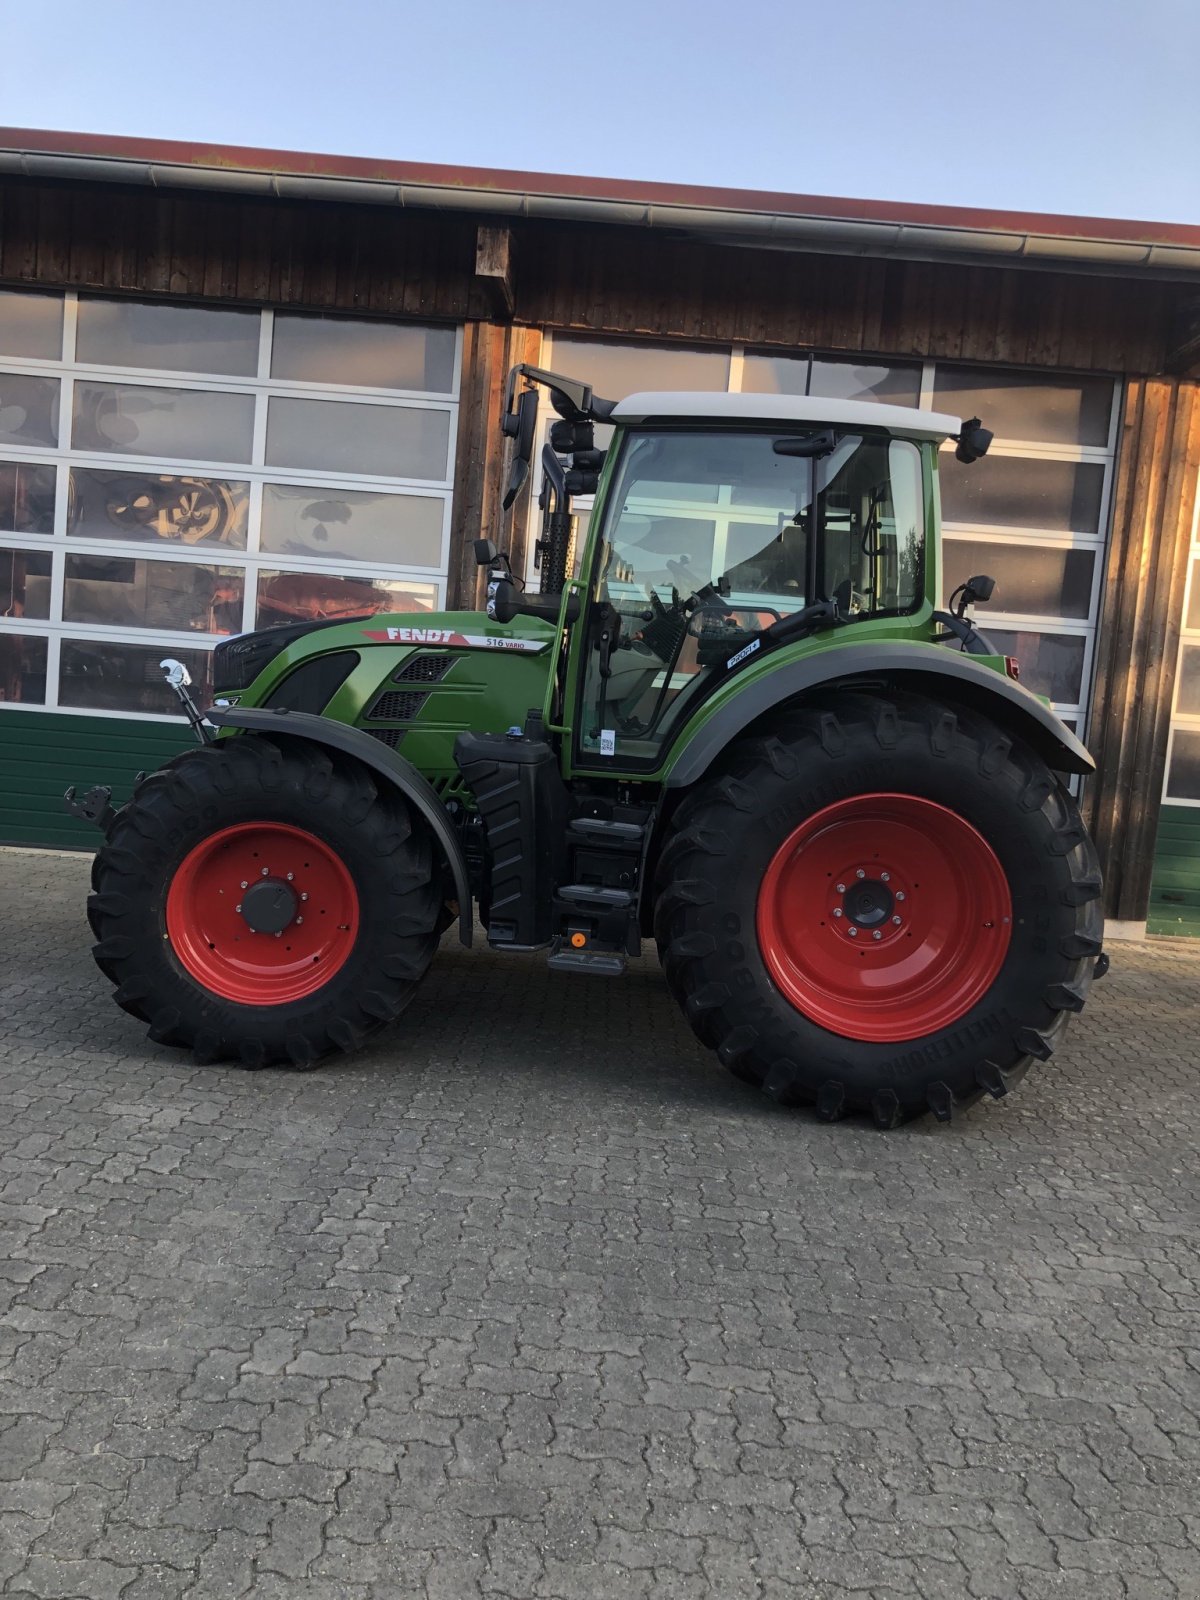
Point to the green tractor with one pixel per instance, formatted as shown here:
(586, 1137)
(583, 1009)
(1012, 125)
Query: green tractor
(738, 731)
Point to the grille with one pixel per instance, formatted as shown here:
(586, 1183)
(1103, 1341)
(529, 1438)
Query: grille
(424, 669)
(396, 706)
(389, 736)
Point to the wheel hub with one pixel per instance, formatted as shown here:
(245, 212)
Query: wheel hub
(269, 906)
(884, 917)
(262, 913)
(867, 902)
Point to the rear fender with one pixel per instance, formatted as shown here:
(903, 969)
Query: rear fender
(877, 667)
(393, 768)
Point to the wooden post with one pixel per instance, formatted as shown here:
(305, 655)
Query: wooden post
(494, 264)
(481, 459)
(1138, 637)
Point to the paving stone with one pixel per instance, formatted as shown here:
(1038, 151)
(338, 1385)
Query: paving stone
(530, 1300)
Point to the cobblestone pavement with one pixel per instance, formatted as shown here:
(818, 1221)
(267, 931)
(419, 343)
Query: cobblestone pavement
(533, 1300)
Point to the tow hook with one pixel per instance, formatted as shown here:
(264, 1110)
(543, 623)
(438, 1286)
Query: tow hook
(95, 806)
(1102, 965)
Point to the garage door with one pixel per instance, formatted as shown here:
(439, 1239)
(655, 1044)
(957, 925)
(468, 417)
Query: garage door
(171, 474)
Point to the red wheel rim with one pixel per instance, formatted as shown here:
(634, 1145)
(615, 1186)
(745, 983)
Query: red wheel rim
(884, 917)
(262, 913)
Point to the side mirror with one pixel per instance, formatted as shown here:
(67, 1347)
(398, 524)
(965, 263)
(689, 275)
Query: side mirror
(973, 441)
(520, 425)
(974, 591)
(485, 552)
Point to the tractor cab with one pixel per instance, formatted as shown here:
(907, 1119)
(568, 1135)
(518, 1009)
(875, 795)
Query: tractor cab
(725, 528)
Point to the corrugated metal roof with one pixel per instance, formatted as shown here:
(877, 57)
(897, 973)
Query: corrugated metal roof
(737, 216)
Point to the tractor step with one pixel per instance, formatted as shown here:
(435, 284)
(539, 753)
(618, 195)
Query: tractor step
(602, 828)
(594, 894)
(588, 963)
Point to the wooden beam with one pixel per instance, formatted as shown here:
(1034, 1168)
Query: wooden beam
(481, 457)
(493, 264)
(1138, 637)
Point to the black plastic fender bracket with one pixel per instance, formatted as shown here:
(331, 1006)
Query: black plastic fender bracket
(401, 774)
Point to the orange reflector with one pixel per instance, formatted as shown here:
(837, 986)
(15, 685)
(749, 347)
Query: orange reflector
(1013, 667)
(579, 940)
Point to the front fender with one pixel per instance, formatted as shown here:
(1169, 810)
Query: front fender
(923, 669)
(401, 774)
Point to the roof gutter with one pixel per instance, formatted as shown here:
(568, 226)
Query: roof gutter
(745, 226)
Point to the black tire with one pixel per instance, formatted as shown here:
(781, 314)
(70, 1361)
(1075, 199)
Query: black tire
(727, 831)
(248, 779)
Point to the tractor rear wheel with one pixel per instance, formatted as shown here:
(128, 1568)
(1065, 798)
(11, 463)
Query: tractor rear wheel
(264, 903)
(884, 906)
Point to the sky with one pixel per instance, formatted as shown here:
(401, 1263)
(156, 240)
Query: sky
(1086, 107)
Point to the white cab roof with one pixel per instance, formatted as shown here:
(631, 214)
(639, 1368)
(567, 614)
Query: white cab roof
(719, 407)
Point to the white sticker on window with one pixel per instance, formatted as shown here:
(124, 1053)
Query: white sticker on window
(608, 742)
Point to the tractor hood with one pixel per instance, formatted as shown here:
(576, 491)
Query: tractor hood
(238, 661)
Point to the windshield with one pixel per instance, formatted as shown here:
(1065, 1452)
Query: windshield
(710, 537)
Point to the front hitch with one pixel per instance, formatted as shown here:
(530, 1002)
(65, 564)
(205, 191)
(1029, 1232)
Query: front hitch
(94, 806)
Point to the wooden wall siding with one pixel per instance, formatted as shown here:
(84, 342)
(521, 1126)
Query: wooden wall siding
(635, 282)
(323, 257)
(1138, 640)
(481, 457)
(601, 279)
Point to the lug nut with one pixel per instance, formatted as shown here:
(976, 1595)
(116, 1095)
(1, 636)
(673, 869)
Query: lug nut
(899, 894)
(237, 908)
(896, 920)
(854, 933)
(885, 877)
(304, 897)
(245, 885)
(290, 876)
(860, 873)
(279, 935)
(299, 920)
(841, 888)
(837, 910)
(877, 934)
(266, 872)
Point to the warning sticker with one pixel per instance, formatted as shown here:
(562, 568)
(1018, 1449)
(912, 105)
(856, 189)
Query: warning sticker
(608, 742)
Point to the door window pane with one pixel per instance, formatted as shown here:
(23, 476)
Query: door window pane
(1051, 663)
(1189, 680)
(865, 380)
(26, 497)
(775, 374)
(193, 424)
(24, 583)
(1022, 492)
(171, 338)
(1027, 405)
(311, 596)
(616, 370)
(108, 504)
(1192, 621)
(101, 675)
(31, 325)
(368, 355)
(1183, 780)
(170, 595)
(22, 669)
(28, 410)
(377, 441)
(1035, 579)
(352, 525)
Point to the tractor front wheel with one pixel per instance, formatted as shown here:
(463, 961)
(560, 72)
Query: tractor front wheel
(264, 903)
(885, 906)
